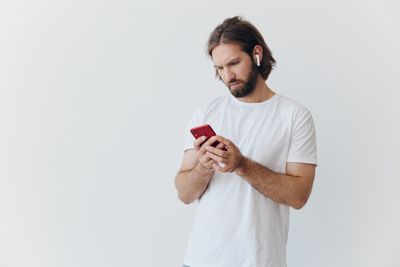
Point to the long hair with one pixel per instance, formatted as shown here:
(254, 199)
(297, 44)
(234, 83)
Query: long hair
(239, 31)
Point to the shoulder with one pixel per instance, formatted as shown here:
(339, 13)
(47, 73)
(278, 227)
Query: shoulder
(212, 105)
(292, 107)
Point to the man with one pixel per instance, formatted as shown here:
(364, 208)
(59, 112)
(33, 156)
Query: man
(264, 164)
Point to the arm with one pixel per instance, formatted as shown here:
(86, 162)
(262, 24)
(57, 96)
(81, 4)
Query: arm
(292, 188)
(196, 171)
(192, 179)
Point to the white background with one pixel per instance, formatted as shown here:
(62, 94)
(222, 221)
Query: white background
(95, 96)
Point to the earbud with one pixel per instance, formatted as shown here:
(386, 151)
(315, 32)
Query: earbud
(258, 60)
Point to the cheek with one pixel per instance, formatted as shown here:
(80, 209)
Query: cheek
(242, 70)
(220, 76)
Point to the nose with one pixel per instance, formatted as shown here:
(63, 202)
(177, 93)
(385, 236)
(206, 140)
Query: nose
(229, 75)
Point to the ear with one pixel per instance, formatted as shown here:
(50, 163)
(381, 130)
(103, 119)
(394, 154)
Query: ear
(257, 51)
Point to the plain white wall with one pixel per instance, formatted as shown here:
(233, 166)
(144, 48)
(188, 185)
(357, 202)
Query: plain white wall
(95, 96)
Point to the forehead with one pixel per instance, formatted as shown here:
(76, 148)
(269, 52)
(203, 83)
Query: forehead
(223, 53)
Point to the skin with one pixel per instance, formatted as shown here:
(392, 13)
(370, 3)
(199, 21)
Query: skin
(198, 166)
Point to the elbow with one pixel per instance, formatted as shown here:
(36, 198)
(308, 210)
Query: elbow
(298, 206)
(181, 195)
(299, 203)
(300, 200)
(186, 200)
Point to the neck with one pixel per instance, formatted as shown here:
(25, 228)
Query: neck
(260, 94)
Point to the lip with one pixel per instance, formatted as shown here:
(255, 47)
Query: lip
(234, 84)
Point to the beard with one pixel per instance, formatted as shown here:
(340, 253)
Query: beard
(248, 85)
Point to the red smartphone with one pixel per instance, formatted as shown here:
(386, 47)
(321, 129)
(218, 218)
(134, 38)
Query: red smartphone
(204, 130)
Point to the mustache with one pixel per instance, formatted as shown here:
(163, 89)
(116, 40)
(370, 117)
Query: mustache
(234, 81)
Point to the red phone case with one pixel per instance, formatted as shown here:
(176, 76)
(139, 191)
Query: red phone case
(204, 130)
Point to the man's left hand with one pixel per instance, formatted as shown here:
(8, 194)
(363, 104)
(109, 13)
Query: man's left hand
(228, 160)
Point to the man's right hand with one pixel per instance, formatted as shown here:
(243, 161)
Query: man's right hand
(200, 145)
(196, 170)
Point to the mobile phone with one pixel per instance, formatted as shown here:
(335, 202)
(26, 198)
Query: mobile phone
(204, 130)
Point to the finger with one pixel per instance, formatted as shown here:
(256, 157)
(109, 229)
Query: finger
(210, 163)
(205, 158)
(216, 167)
(220, 164)
(210, 140)
(197, 143)
(207, 162)
(207, 143)
(222, 146)
(217, 151)
(217, 158)
(220, 167)
(223, 140)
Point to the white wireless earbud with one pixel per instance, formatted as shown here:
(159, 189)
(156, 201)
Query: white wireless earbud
(258, 60)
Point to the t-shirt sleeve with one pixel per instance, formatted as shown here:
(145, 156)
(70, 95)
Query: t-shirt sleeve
(303, 145)
(195, 120)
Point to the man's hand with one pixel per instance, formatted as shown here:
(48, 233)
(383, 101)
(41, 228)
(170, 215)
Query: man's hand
(196, 171)
(200, 145)
(224, 160)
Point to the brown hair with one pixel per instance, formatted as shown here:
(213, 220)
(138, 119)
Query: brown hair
(239, 31)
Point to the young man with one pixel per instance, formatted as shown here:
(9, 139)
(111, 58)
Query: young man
(264, 164)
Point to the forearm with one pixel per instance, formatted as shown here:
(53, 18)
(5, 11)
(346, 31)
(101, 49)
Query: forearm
(282, 188)
(191, 184)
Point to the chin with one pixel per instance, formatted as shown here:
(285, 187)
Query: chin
(236, 93)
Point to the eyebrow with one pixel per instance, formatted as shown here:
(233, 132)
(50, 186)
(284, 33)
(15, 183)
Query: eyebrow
(230, 62)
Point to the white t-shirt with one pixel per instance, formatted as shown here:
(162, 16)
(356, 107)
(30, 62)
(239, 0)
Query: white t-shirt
(235, 225)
